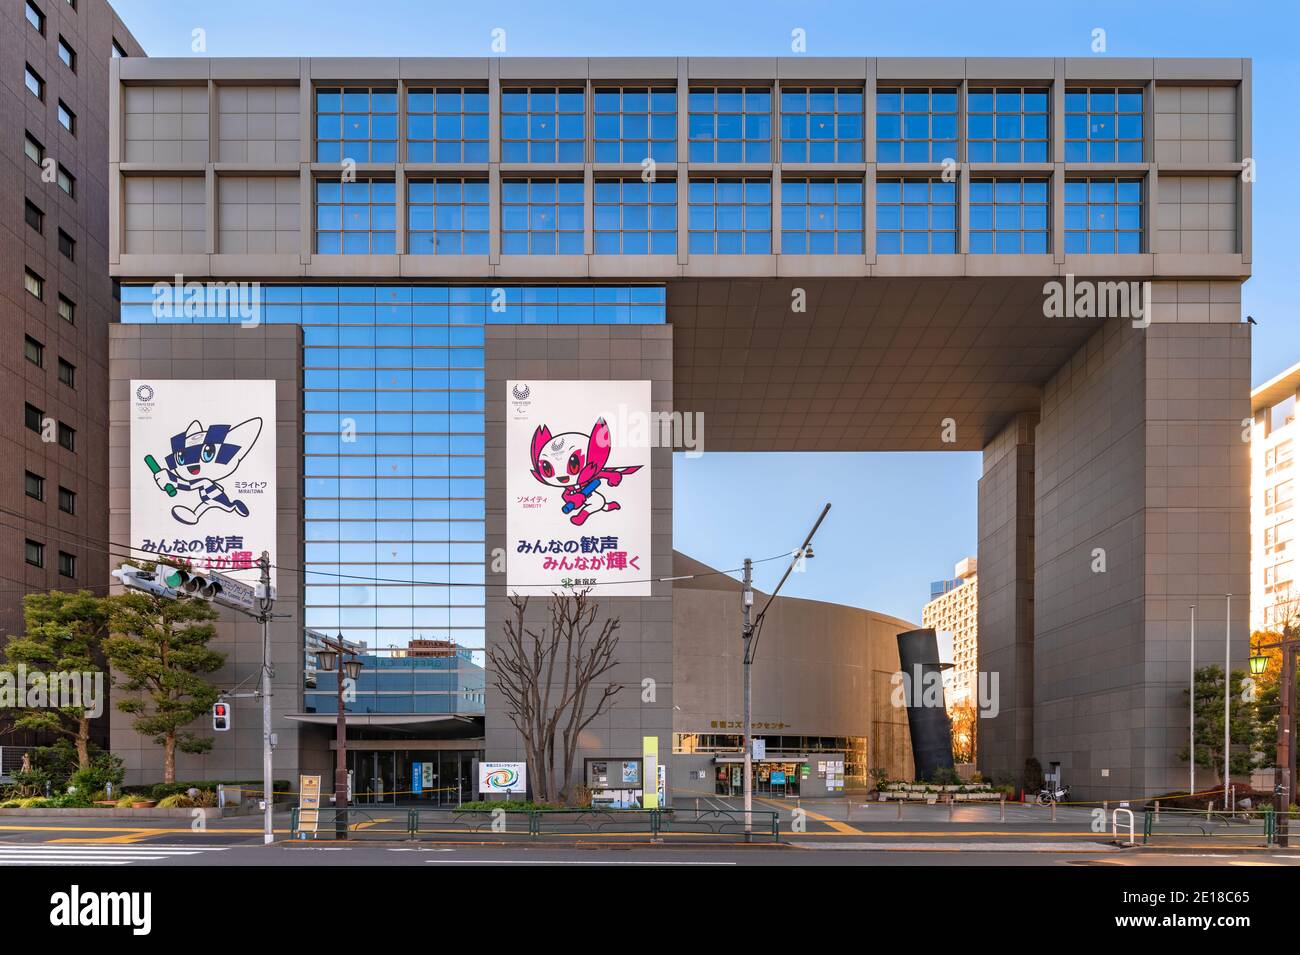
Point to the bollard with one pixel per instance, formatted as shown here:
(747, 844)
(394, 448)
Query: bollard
(951, 802)
(1002, 808)
(1105, 807)
(1157, 810)
(1209, 808)
(900, 809)
(1053, 810)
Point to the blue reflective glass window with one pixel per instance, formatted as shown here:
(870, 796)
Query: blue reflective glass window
(821, 125)
(447, 216)
(355, 218)
(821, 217)
(542, 124)
(730, 125)
(916, 124)
(915, 216)
(542, 217)
(632, 124)
(447, 124)
(1103, 215)
(357, 123)
(1103, 125)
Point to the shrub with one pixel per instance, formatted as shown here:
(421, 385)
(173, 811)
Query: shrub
(11, 804)
(1033, 778)
(177, 801)
(161, 791)
(945, 776)
(126, 802)
(72, 800)
(104, 768)
(34, 802)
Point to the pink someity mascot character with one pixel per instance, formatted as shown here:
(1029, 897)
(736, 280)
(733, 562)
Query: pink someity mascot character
(578, 463)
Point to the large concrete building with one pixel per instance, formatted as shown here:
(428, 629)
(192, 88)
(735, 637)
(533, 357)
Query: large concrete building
(57, 299)
(840, 254)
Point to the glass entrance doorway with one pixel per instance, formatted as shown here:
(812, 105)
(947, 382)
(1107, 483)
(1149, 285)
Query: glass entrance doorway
(423, 777)
(771, 778)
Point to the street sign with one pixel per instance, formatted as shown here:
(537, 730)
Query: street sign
(308, 803)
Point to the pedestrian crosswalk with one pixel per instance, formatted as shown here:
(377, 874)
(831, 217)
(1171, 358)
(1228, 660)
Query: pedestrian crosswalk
(44, 853)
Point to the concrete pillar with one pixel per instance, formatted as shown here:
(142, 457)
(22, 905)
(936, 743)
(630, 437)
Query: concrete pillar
(1004, 737)
(1141, 509)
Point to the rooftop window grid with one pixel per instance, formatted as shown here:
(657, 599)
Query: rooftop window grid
(355, 218)
(1104, 124)
(1008, 123)
(964, 91)
(1009, 215)
(447, 123)
(821, 123)
(632, 122)
(544, 123)
(730, 124)
(357, 122)
(917, 123)
(1104, 215)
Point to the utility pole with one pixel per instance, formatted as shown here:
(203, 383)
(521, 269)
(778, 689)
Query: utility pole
(749, 635)
(746, 635)
(1285, 746)
(1191, 718)
(1227, 700)
(265, 603)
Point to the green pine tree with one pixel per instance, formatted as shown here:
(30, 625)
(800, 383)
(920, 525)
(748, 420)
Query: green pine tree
(160, 646)
(64, 633)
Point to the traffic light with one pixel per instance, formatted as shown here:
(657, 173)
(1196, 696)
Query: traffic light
(167, 581)
(145, 580)
(189, 582)
(221, 716)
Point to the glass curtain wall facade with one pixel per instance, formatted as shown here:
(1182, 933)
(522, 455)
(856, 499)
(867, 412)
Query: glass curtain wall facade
(393, 467)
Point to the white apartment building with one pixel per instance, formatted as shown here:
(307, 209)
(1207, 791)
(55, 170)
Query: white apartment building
(1272, 500)
(954, 609)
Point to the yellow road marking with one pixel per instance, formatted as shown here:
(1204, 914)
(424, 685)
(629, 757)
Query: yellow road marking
(125, 837)
(843, 828)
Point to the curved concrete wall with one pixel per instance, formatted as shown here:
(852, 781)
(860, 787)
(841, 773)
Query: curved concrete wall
(822, 669)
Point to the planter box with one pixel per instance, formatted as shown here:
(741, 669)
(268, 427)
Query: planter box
(103, 813)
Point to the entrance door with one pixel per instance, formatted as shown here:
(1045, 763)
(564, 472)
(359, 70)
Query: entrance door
(374, 777)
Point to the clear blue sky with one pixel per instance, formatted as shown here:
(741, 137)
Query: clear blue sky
(899, 521)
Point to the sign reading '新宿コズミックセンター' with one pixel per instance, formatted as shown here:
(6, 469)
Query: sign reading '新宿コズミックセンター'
(578, 487)
(202, 471)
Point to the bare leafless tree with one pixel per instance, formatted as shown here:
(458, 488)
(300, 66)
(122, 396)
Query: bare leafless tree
(547, 677)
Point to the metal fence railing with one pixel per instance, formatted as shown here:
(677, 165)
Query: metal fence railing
(402, 823)
(1229, 828)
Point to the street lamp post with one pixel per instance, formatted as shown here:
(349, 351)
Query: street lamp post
(329, 661)
(749, 633)
(1227, 701)
(1191, 716)
(1284, 770)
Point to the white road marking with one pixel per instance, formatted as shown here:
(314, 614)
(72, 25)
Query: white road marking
(66, 854)
(569, 862)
